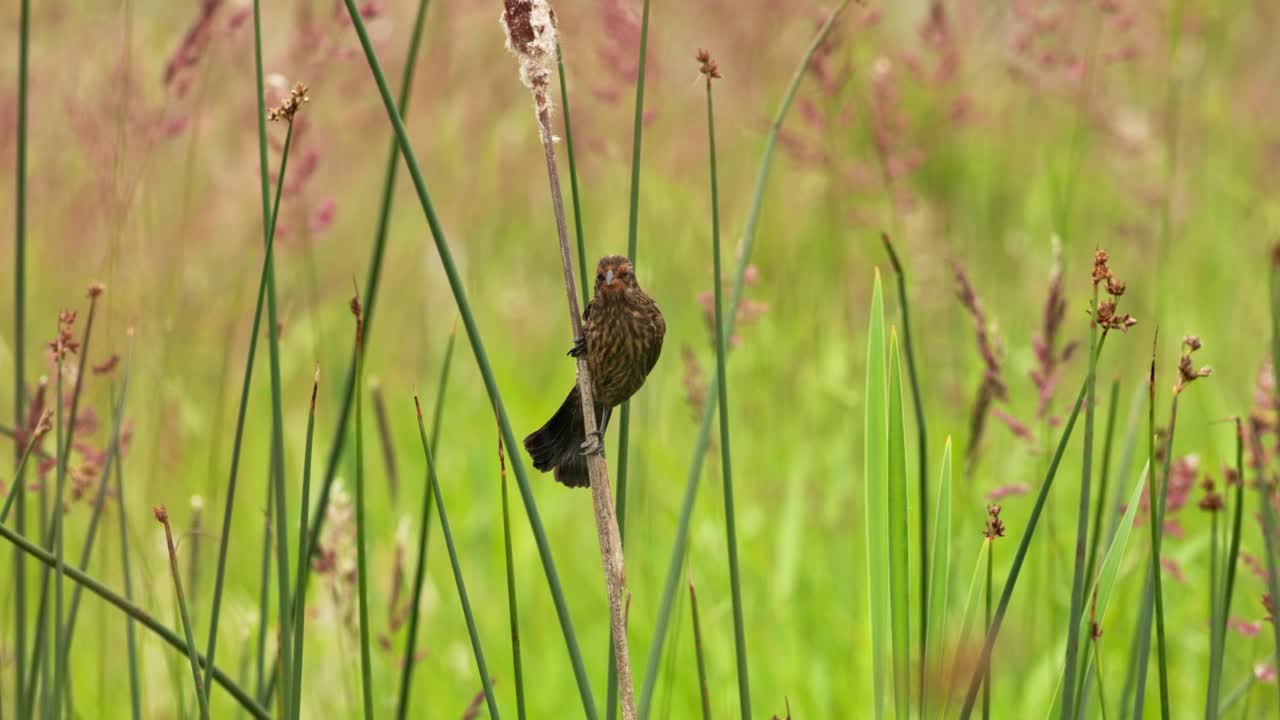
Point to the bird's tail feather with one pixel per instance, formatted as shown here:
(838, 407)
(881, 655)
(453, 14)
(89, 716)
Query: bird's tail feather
(557, 444)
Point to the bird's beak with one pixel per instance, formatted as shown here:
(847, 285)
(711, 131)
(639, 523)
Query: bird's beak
(608, 277)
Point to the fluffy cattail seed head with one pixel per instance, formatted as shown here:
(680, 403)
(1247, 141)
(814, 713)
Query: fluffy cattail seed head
(530, 28)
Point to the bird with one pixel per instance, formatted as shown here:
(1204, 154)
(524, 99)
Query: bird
(622, 335)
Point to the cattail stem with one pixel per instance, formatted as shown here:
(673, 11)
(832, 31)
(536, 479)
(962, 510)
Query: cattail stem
(606, 523)
(201, 696)
(573, 176)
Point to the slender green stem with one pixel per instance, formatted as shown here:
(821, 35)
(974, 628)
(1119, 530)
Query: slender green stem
(573, 177)
(362, 532)
(1104, 478)
(265, 680)
(704, 692)
(726, 467)
(137, 613)
(922, 448)
(1266, 488)
(703, 437)
(1079, 587)
(55, 694)
(1024, 544)
(624, 424)
(304, 553)
(482, 361)
(986, 666)
(17, 488)
(420, 570)
(21, 709)
(513, 609)
(481, 667)
(1228, 583)
(201, 696)
(135, 684)
(372, 281)
(1162, 662)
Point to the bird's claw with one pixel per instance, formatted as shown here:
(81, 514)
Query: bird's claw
(579, 347)
(594, 444)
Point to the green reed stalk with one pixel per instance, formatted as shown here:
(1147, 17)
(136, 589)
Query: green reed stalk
(135, 685)
(266, 678)
(875, 500)
(704, 691)
(420, 569)
(922, 451)
(304, 553)
(1095, 541)
(1266, 489)
(137, 613)
(704, 428)
(482, 361)
(1157, 526)
(21, 709)
(722, 383)
(1079, 586)
(362, 526)
(17, 488)
(267, 290)
(573, 177)
(1218, 650)
(986, 666)
(432, 480)
(1024, 543)
(202, 697)
(513, 609)
(624, 425)
(372, 280)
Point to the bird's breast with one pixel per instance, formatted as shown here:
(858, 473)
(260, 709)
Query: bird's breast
(620, 338)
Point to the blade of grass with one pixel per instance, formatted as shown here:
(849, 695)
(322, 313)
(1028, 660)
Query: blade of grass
(1095, 541)
(482, 361)
(420, 569)
(922, 450)
(267, 291)
(672, 581)
(160, 629)
(1023, 544)
(986, 666)
(372, 279)
(573, 174)
(513, 609)
(266, 680)
(481, 667)
(1265, 488)
(703, 691)
(1229, 565)
(304, 551)
(966, 618)
(936, 597)
(162, 516)
(1157, 526)
(27, 446)
(899, 567)
(21, 709)
(876, 474)
(722, 384)
(624, 425)
(1078, 580)
(135, 685)
(362, 526)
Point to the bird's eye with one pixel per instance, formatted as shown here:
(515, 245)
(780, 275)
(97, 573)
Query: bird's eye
(599, 277)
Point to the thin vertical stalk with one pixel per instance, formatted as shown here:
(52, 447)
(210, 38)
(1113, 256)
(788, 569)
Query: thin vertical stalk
(372, 280)
(135, 685)
(420, 569)
(575, 196)
(54, 692)
(1079, 587)
(19, 356)
(1024, 544)
(922, 451)
(672, 581)
(704, 692)
(160, 629)
(28, 445)
(202, 697)
(624, 424)
(1157, 525)
(1228, 583)
(513, 609)
(266, 679)
(1266, 489)
(726, 466)
(1104, 478)
(304, 553)
(986, 666)
(482, 360)
(362, 526)
(434, 482)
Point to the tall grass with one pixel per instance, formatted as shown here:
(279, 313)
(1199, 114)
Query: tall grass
(482, 360)
(704, 691)
(202, 697)
(672, 581)
(362, 525)
(935, 599)
(19, 355)
(876, 500)
(304, 551)
(513, 608)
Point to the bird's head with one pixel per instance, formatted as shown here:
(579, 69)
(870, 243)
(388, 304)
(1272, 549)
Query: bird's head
(615, 277)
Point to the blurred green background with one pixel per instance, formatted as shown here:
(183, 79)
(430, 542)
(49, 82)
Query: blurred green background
(972, 131)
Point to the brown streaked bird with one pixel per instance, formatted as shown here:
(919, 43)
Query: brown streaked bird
(622, 339)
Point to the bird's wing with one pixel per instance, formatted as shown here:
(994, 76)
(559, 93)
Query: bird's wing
(656, 349)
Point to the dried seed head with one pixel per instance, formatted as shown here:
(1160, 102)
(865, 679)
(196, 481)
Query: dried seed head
(1106, 315)
(1187, 372)
(530, 29)
(96, 289)
(707, 66)
(995, 526)
(64, 344)
(290, 105)
(161, 514)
